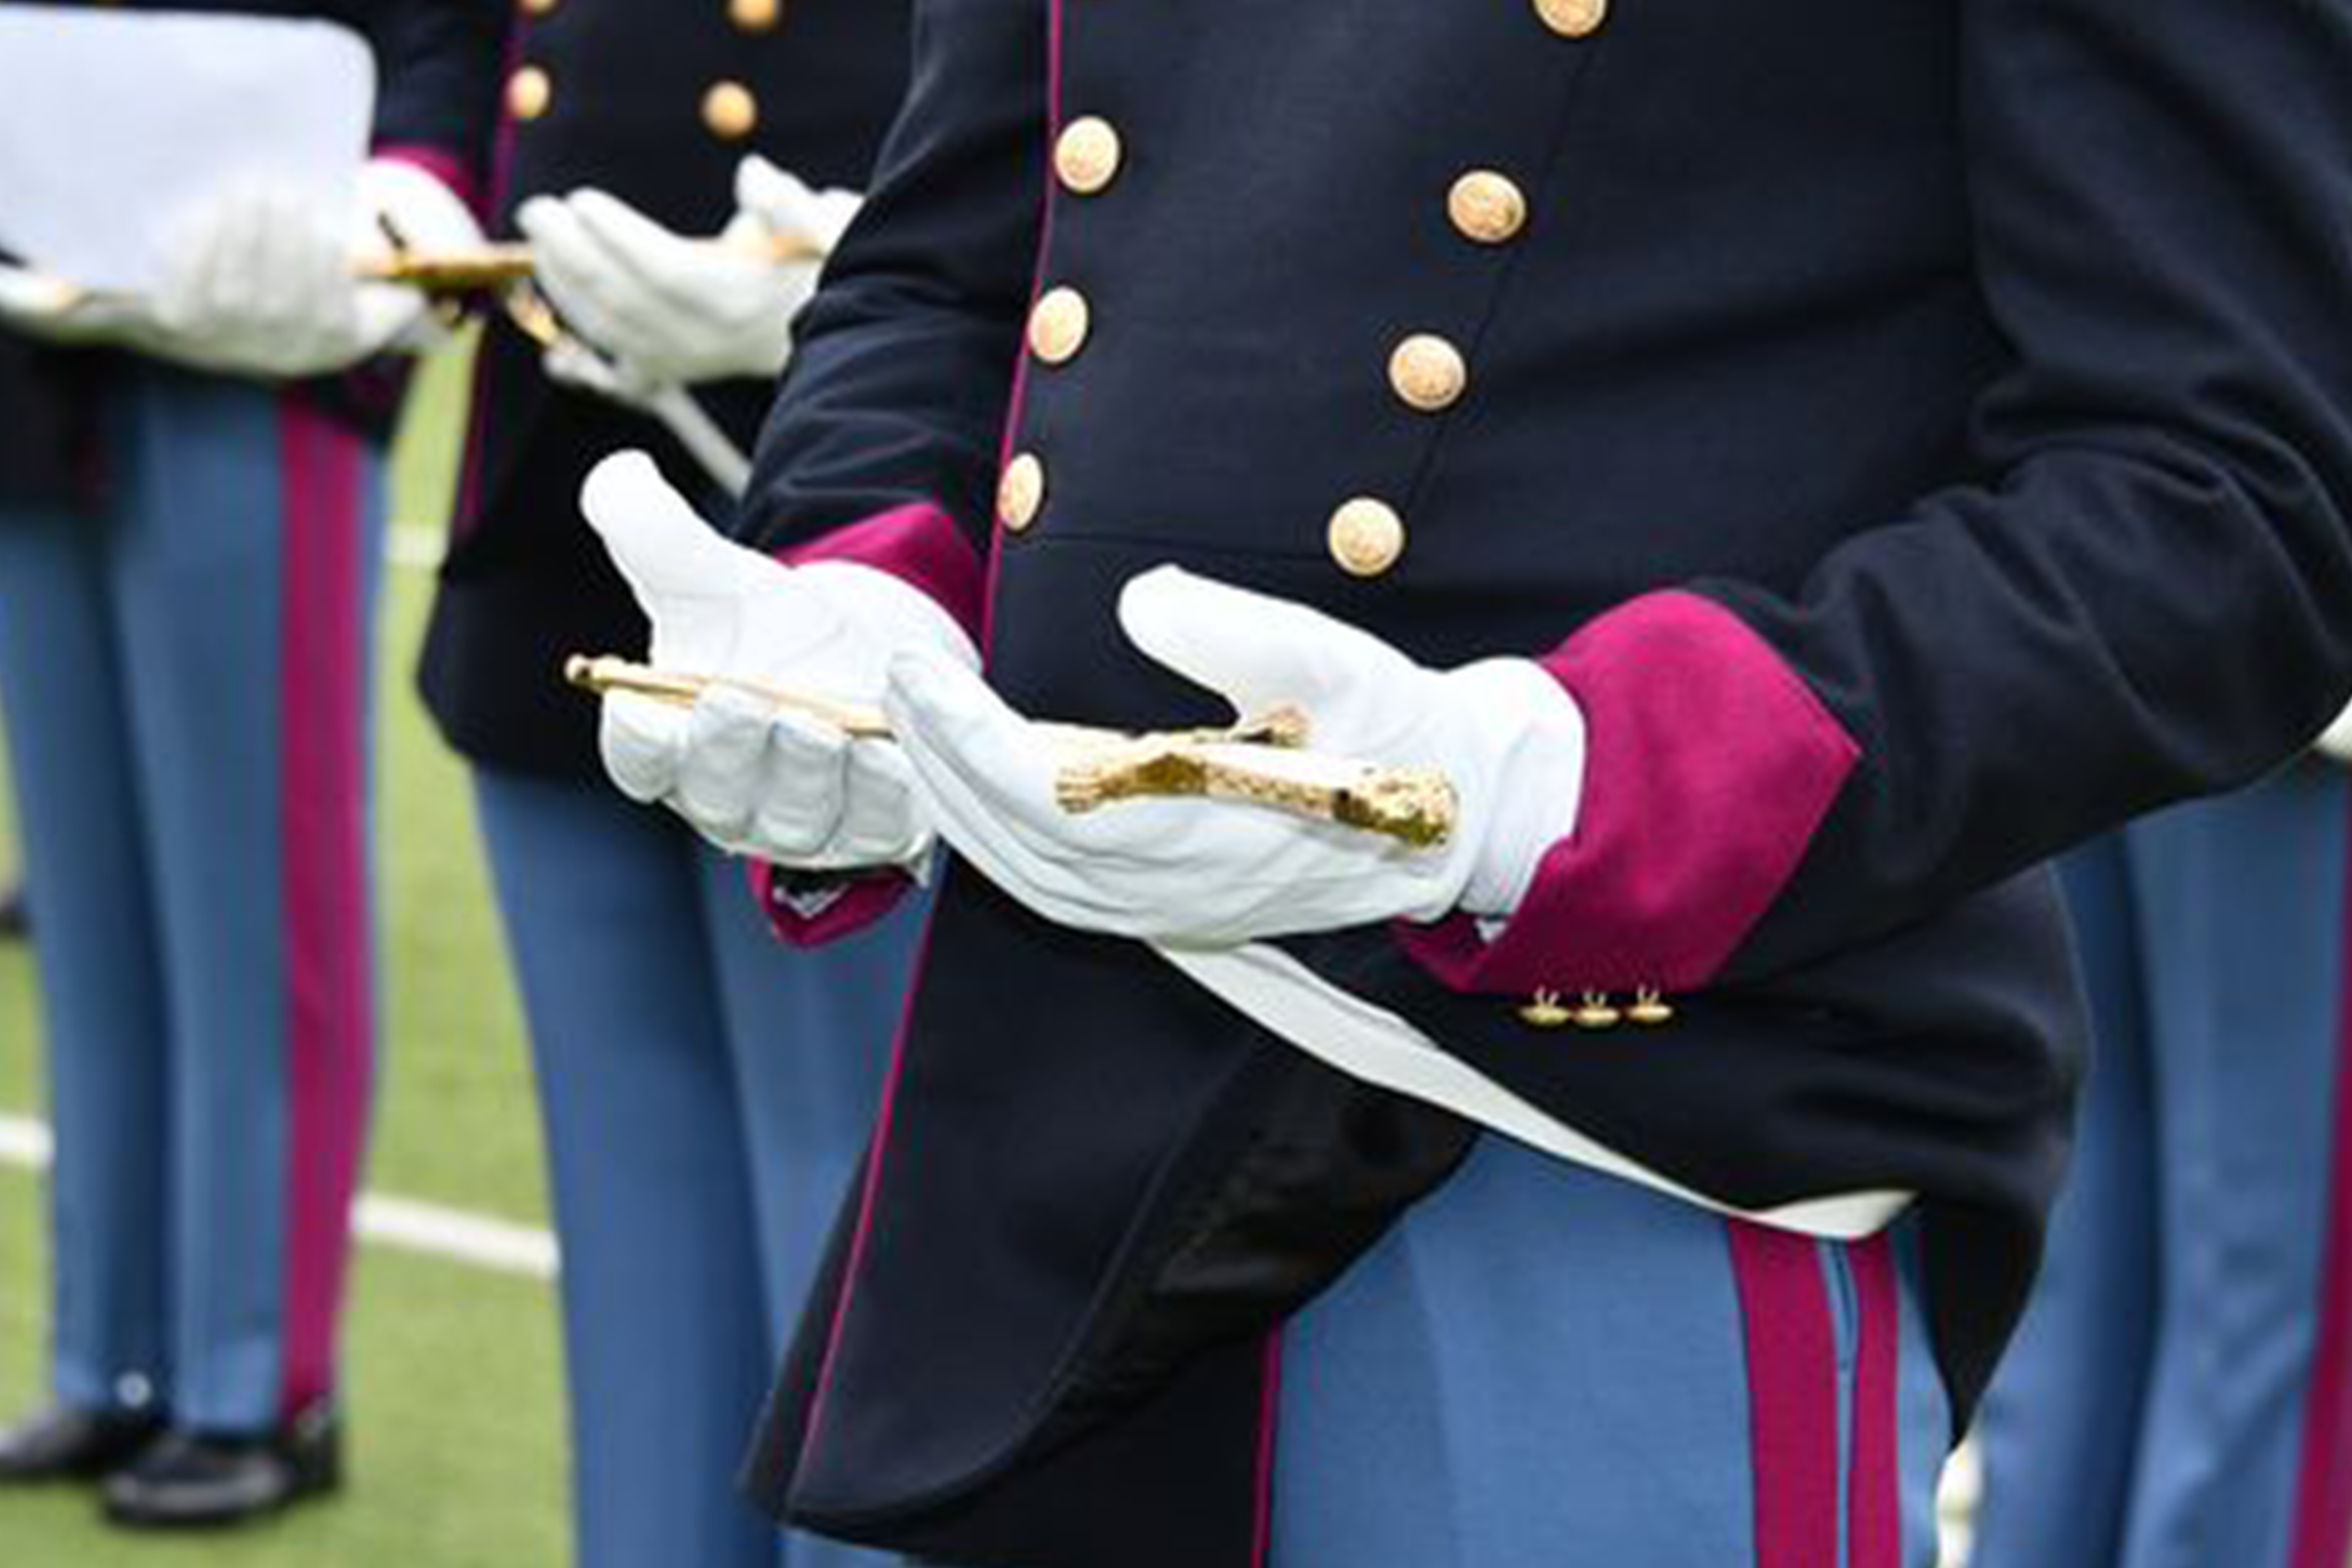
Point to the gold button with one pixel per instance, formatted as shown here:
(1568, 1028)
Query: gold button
(1086, 155)
(1597, 1011)
(730, 111)
(1058, 327)
(753, 16)
(1545, 1011)
(1487, 207)
(1021, 492)
(1573, 19)
(539, 8)
(1366, 537)
(529, 93)
(1428, 373)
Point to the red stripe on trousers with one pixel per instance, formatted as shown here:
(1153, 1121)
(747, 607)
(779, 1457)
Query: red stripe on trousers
(2323, 1491)
(1792, 1396)
(322, 857)
(1874, 1520)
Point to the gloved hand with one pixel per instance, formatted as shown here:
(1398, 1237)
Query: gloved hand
(263, 281)
(666, 310)
(1194, 873)
(750, 779)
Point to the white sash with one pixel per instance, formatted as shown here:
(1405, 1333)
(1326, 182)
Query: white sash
(1346, 1032)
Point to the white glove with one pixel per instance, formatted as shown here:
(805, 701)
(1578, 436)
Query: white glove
(39, 306)
(666, 310)
(262, 280)
(2335, 741)
(1195, 873)
(750, 779)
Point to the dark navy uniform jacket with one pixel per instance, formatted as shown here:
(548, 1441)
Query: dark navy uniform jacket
(436, 63)
(657, 103)
(1919, 435)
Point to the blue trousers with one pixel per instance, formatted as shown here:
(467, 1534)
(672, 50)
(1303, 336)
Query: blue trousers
(2180, 1395)
(185, 678)
(705, 1095)
(1542, 1365)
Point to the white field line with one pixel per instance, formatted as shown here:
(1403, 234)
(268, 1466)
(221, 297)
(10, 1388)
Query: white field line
(456, 1236)
(24, 1142)
(401, 1224)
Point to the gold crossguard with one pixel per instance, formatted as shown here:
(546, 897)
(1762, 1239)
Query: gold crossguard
(486, 268)
(1260, 761)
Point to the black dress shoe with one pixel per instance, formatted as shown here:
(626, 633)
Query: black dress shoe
(194, 1480)
(66, 1443)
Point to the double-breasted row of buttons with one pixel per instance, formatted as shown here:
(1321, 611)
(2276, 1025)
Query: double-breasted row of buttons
(730, 111)
(1088, 156)
(1429, 373)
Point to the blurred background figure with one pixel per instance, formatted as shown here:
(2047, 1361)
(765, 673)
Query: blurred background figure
(16, 912)
(705, 1091)
(188, 545)
(2180, 1393)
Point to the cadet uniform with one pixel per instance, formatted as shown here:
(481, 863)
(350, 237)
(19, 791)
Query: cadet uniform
(1930, 429)
(2180, 1393)
(188, 564)
(704, 1091)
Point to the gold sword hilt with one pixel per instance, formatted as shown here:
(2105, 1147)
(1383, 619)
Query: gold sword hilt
(477, 269)
(487, 269)
(605, 674)
(1260, 761)
(1415, 806)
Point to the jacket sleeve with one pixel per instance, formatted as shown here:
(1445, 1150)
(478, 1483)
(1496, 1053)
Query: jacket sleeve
(439, 65)
(2140, 591)
(884, 443)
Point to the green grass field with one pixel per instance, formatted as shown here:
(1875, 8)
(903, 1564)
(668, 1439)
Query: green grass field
(454, 1382)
